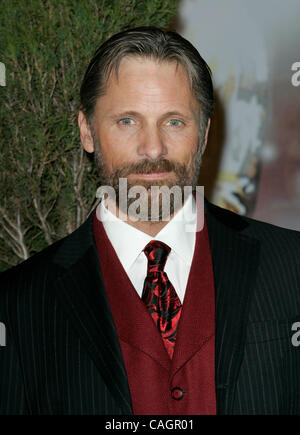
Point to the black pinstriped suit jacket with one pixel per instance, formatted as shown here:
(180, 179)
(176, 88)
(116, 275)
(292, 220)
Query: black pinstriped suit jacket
(62, 354)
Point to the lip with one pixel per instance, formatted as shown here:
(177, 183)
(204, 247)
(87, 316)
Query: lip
(153, 175)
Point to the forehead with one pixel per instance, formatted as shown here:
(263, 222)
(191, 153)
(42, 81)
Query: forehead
(145, 81)
(134, 66)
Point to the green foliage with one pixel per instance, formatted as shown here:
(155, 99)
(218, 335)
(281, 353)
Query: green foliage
(47, 183)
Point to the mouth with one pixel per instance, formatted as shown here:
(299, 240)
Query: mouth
(152, 175)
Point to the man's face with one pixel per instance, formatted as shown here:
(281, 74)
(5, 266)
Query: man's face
(146, 126)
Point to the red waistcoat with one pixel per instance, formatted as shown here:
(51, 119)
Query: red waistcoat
(186, 384)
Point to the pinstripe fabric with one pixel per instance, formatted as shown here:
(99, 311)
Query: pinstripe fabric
(257, 285)
(63, 355)
(54, 359)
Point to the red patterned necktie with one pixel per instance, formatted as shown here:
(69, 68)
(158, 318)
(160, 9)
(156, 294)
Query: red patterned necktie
(159, 294)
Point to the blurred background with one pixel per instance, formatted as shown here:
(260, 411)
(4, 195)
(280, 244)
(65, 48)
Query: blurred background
(252, 162)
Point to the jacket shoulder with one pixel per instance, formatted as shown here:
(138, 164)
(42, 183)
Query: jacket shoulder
(267, 230)
(251, 226)
(42, 263)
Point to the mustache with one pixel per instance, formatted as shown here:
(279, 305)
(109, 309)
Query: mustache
(148, 167)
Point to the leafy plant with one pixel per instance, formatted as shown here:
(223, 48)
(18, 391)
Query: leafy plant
(47, 182)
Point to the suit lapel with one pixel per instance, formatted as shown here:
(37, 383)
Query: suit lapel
(235, 260)
(81, 290)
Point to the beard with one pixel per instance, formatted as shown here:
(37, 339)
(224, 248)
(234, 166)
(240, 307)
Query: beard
(181, 176)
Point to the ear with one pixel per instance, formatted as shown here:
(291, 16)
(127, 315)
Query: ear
(206, 136)
(85, 133)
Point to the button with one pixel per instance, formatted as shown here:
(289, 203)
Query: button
(177, 393)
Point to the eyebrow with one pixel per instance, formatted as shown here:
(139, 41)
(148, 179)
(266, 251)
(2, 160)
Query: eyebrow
(137, 114)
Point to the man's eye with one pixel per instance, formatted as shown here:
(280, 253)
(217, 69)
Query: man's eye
(126, 121)
(175, 123)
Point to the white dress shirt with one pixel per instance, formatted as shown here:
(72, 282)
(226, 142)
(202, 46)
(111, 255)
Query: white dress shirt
(129, 242)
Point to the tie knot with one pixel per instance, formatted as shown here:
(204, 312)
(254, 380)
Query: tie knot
(157, 254)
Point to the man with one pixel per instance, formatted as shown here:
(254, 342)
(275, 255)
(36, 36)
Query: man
(138, 312)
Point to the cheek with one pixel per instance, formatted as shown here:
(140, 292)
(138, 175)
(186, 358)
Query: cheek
(184, 148)
(117, 149)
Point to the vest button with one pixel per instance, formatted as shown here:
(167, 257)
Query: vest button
(177, 393)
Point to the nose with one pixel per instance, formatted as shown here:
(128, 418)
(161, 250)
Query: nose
(151, 143)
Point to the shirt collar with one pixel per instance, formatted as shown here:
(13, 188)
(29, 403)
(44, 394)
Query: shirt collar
(128, 242)
(175, 233)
